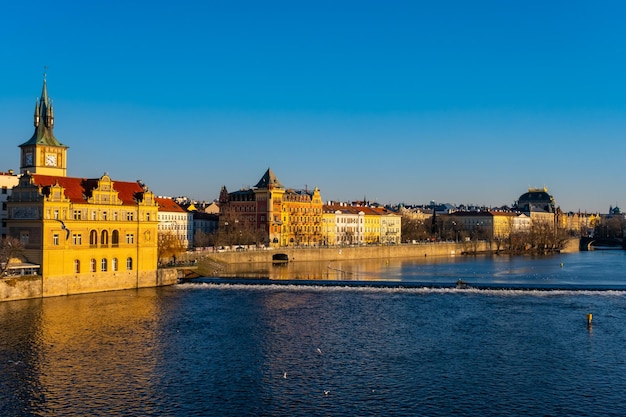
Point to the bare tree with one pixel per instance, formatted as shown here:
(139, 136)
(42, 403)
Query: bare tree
(10, 247)
(201, 239)
(169, 245)
(414, 229)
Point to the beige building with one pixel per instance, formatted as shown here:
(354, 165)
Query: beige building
(8, 180)
(491, 224)
(349, 224)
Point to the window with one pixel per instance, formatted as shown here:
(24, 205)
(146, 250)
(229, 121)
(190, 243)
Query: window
(76, 266)
(114, 264)
(130, 238)
(103, 265)
(56, 214)
(93, 238)
(129, 216)
(115, 238)
(77, 214)
(77, 239)
(115, 215)
(55, 239)
(93, 265)
(104, 238)
(147, 217)
(93, 215)
(24, 238)
(104, 215)
(129, 264)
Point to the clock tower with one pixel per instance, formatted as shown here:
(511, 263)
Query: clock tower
(43, 153)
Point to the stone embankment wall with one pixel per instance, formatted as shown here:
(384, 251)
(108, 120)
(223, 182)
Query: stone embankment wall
(326, 254)
(214, 262)
(25, 287)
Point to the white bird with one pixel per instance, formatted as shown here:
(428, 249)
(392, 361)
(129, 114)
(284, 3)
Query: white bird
(284, 375)
(326, 392)
(319, 351)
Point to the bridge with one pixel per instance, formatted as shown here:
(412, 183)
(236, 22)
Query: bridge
(595, 243)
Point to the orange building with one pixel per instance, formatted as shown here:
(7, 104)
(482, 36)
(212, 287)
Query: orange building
(270, 214)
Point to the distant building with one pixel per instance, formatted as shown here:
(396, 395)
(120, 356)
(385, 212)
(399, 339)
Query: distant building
(358, 225)
(204, 224)
(349, 224)
(211, 208)
(287, 217)
(538, 205)
(176, 220)
(8, 180)
(271, 214)
(491, 224)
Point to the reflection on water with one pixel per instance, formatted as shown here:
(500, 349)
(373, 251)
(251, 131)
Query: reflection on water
(578, 270)
(75, 348)
(351, 270)
(286, 349)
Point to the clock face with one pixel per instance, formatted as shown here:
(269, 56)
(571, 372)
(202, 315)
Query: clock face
(28, 159)
(51, 160)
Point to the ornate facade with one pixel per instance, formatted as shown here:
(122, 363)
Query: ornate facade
(287, 217)
(86, 235)
(539, 206)
(270, 214)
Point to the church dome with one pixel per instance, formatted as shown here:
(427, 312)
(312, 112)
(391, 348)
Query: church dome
(536, 200)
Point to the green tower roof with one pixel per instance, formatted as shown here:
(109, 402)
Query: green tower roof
(44, 121)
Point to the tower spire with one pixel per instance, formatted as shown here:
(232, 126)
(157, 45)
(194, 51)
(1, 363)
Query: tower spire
(36, 115)
(44, 119)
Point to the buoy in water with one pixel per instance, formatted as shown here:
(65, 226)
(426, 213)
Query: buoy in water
(589, 318)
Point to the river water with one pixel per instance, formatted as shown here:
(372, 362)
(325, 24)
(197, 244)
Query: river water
(393, 339)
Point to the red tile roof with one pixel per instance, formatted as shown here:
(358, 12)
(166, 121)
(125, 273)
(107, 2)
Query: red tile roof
(78, 190)
(167, 204)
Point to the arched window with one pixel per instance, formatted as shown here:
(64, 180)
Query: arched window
(103, 265)
(93, 238)
(114, 264)
(93, 265)
(115, 238)
(76, 266)
(129, 263)
(104, 238)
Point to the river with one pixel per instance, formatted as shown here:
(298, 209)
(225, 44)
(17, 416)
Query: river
(379, 338)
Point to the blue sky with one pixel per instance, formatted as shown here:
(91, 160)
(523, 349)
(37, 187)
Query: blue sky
(396, 101)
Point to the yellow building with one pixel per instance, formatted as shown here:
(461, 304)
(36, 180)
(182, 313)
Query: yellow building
(302, 218)
(357, 225)
(329, 226)
(86, 235)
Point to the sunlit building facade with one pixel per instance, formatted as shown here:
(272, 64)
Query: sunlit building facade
(84, 234)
